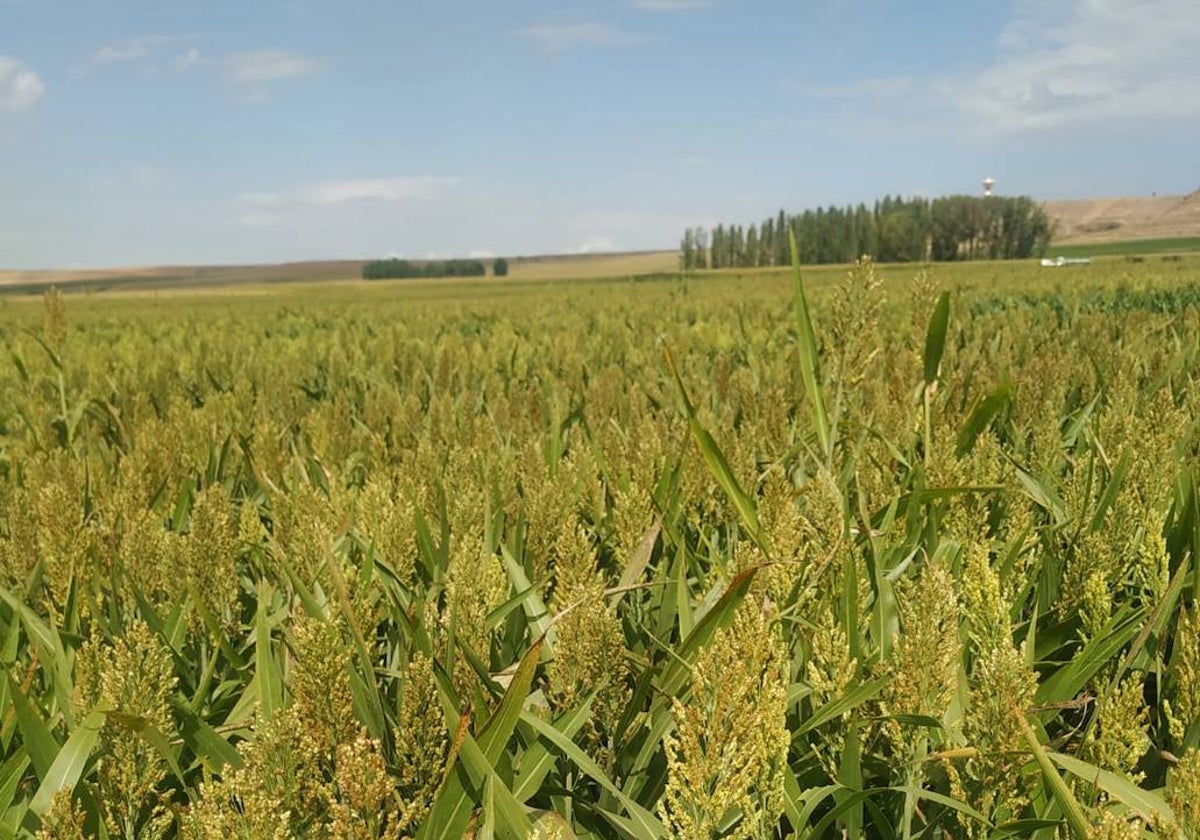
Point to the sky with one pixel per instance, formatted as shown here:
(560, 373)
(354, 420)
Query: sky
(235, 131)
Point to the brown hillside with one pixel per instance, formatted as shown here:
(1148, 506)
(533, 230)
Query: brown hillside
(1093, 220)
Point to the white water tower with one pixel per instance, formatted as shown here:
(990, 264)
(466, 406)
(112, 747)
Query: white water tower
(989, 184)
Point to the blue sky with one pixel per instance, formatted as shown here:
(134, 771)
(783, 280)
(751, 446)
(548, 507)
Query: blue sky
(145, 133)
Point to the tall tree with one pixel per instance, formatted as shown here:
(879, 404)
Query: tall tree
(687, 251)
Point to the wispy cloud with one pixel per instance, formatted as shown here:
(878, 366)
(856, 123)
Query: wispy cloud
(1057, 64)
(558, 38)
(20, 87)
(187, 60)
(134, 49)
(327, 193)
(597, 245)
(255, 68)
(1067, 63)
(669, 5)
(250, 74)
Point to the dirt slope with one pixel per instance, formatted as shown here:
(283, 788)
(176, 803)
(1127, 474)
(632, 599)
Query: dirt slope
(1093, 220)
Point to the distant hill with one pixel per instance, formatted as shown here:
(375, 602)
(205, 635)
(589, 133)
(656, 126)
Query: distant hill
(1095, 220)
(533, 268)
(1077, 222)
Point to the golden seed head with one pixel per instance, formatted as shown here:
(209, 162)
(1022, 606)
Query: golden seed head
(320, 683)
(1183, 794)
(422, 740)
(1121, 738)
(1186, 661)
(63, 820)
(928, 653)
(1112, 827)
(728, 754)
(134, 678)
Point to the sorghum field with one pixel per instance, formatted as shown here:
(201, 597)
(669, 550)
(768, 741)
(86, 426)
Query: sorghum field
(906, 555)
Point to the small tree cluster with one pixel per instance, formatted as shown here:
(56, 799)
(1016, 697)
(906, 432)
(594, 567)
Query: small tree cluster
(397, 268)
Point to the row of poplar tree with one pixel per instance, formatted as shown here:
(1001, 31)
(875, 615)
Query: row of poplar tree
(957, 227)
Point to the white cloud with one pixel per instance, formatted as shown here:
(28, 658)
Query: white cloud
(251, 73)
(557, 38)
(669, 5)
(326, 193)
(134, 49)
(1084, 61)
(248, 73)
(186, 61)
(1056, 64)
(255, 68)
(20, 87)
(597, 245)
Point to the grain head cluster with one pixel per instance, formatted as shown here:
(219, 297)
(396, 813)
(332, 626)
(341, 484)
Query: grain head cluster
(879, 555)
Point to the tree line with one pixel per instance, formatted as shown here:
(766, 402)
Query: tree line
(397, 268)
(957, 227)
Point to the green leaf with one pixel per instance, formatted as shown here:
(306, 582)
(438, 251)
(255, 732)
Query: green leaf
(363, 684)
(717, 464)
(494, 736)
(981, 417)
(809, 359)
(851, 778)
(1024, 828)
(1043, 496)
(10, 778)
(266, 668)
(487, 822)
(849, 701)
(538, 760)
(49, 645)
(1096, 655)
(645, 824)
(1058, 788)
(1114, 487)
(678, 670)
(536, 612)
(452, 808)
(507, 815)
(1147, 804)
(204, 741)
(935, 338)
(39, 742)
(801, 805)
(638, 561)
(69, 763)
(150, 734)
